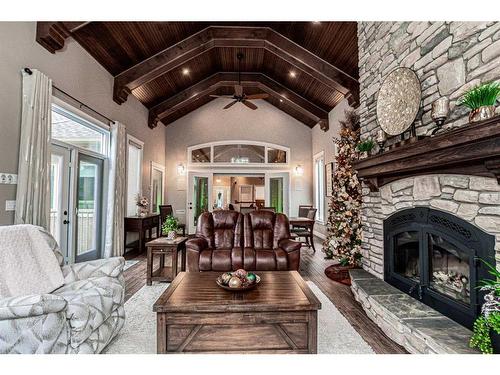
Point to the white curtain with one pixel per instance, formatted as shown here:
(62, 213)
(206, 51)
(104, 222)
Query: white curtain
(114, 245)
(33, 180)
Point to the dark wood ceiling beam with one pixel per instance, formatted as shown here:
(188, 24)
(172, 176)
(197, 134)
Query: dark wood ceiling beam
(225, 79)
(231, 36)
(52, 35)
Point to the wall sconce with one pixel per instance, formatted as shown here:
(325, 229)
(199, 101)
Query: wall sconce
(298, 170)
(181, 169)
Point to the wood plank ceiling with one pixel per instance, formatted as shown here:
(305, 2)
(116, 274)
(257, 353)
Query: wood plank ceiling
(173, 67)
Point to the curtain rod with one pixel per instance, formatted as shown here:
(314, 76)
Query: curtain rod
(30, 72)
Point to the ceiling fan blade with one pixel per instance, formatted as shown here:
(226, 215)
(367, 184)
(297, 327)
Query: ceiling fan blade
(238, 90)
(257, 96)
(250, 104)
(230, 104)
(221, 96)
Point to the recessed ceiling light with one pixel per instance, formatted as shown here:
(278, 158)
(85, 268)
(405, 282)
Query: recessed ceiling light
(185, 71)
(281, 100)
(293, 74)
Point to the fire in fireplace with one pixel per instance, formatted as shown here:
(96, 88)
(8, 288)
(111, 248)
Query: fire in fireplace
(435, 257)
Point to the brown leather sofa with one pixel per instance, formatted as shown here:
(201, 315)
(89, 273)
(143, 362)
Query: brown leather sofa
(227, 241)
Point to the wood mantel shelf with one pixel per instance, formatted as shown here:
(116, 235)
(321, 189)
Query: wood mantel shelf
(471, 149)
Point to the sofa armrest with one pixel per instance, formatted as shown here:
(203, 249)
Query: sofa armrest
(30, 306)
(289, 245)
(111, 267)
(197, 244)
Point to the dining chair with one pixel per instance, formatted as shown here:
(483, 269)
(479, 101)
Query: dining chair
(307, 232)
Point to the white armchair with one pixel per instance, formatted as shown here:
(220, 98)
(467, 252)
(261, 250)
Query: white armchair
(82, 316)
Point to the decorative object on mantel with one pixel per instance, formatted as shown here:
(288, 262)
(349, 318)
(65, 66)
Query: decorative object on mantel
(486, 332)
(142, 205)
(439, 112)
(481, 100)
(472, 150)
(170, 226)
(365, 147)
(381, 139)
(398, 101)
(344, 228)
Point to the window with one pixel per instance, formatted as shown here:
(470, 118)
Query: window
(244, 153)
(319, 185)
(72, 129)
(134, 173)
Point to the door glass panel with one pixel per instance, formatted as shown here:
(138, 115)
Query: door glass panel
(276, 193)
(157, 190)
(89, 206)
(200, 196)
(449, 269)
(56, 172)
(406, 255)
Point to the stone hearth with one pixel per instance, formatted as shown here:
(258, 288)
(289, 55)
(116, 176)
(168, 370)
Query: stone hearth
(410, 323)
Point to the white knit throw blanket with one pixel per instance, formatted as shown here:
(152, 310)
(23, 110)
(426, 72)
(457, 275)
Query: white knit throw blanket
(27, 264)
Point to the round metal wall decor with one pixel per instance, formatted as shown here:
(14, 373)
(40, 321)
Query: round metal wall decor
(398, 101)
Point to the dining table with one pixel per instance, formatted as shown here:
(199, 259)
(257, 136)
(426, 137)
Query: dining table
(301, 221)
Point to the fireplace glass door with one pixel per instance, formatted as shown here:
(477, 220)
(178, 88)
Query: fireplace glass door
(406, 255)
(449, 269)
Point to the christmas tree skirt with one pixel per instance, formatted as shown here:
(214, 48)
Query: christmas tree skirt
(339, 273)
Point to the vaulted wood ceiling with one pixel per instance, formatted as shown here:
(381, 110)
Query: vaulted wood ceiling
(305, 67)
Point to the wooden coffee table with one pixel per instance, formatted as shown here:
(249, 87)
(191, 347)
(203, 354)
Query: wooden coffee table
(163, 247)
(278, 316)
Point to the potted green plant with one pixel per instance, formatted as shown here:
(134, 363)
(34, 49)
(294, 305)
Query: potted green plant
(481, 100)
(486, 330)
(365, 147)
(169, 227)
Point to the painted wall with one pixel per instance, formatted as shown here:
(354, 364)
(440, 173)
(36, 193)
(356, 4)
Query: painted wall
(77, 73)
(322, 141)
(211, 123)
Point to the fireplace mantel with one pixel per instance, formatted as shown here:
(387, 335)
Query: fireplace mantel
(472, 149)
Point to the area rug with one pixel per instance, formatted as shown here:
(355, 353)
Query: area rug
(138, 336)
(129, 263)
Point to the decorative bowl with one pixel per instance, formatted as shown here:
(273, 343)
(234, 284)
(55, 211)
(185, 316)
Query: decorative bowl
(244, 286)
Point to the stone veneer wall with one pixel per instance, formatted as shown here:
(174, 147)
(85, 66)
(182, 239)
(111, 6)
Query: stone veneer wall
(448, 57)
(474, 199)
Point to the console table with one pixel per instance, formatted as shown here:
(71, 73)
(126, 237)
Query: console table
(141, 225)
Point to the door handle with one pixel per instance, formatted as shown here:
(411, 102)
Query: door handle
(65, 221)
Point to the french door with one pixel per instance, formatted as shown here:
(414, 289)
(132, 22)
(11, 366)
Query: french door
(199, 196)
(277, 188)
(59, 224)
(76, 202)
(89, 183)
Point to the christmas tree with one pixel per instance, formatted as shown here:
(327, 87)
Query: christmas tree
(343, 241)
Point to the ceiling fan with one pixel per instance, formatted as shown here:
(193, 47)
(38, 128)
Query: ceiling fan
(239, 95)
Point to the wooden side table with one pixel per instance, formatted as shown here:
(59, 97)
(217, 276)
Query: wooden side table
(164, 247)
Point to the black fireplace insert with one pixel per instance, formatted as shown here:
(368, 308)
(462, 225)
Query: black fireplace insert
(435, 257)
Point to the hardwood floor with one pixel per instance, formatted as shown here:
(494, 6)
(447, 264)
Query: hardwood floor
(312, 268)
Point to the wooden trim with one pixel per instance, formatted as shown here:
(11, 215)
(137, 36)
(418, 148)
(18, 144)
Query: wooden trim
(226, 79)
(471, 149)
(234, 36)
(52, 35)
